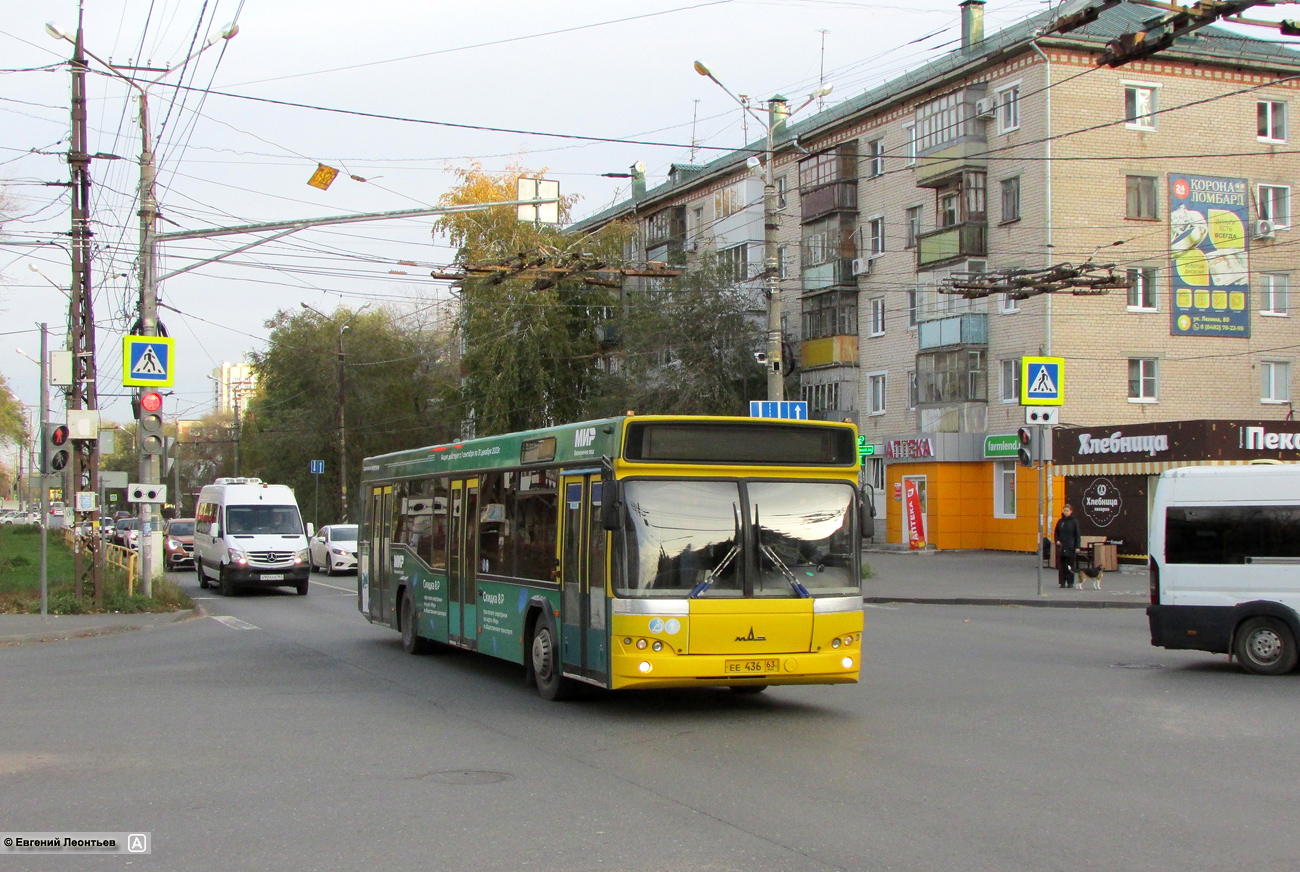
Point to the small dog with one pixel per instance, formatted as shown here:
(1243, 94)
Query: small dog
(1094, 572)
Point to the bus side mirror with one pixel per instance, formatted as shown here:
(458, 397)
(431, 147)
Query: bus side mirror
(867, 512)
(611, 505)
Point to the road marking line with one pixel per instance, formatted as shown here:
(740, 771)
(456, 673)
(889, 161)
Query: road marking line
(233, 622)
(351, 590)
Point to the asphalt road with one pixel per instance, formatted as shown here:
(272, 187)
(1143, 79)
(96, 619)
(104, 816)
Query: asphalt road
(981, 738)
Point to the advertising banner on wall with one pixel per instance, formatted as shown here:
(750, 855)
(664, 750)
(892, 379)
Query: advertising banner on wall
(915, 517)
(1209, 276)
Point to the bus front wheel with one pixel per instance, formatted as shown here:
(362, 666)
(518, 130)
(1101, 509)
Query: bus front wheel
(1265, 646)
(546, 664)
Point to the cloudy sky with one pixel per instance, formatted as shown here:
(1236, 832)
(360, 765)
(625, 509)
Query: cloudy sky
(229, 155)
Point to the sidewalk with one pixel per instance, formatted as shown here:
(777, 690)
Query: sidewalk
(991, 578)
(19, 629)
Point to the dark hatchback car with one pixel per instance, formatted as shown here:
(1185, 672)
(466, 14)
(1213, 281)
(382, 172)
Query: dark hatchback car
(178, 543)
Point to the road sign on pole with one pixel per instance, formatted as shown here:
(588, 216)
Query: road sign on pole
(1042, 381)
(148, 361)
(317, 467)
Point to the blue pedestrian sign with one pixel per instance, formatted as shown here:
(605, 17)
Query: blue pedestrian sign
(794, 410)
(148, 361)
(317, 467)
(1042, 381)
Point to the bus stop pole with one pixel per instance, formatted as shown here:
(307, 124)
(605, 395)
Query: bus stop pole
(1038, 449)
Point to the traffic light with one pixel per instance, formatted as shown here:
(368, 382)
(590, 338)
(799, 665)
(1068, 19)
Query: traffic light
(1026, 454)
(151, 423)
(57, 451)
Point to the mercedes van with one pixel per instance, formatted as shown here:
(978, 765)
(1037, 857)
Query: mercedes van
(1225, 563)
(249, 534)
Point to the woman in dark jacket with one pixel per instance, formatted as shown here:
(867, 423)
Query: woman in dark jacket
(1066, 535)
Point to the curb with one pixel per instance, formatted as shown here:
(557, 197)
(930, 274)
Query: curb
(89, 632)
(1005, 601)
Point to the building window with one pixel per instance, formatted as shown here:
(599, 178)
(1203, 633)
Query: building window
(1011, 199)
(1011, 380)
(1271, 116)
(1272, 293)
(875, 158)
(1141, 196)
(911, 389)
(1142, 289)
(780, 192)
(1008, 102)
(729, 200)
(1004, 489)
(1141, 379)
(782, 261)
(913, 225)
(1275, 205)
(1140, 107)
(1007, 304)
(948, 208)
(734, 262)
(1275, 382)
(878, 474)
(911, 309)
(876, 392)
(878, 316)
(697, 222)
(876, 236)
(910, 151)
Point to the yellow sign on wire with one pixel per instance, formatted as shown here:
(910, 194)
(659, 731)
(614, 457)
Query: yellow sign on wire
(323, 177)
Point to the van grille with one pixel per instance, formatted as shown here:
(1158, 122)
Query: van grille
(270, 558)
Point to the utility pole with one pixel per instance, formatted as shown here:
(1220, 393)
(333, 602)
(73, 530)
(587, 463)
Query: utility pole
(343, 398)
(778, 113)
(83, 395)
(45, 491)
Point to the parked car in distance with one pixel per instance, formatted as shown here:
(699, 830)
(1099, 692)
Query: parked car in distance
(21, 518)
(334, 548)
(178, 542)
(127, 533)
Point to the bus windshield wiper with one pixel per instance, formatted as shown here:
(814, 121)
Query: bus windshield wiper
(723, 563)
(771, 555)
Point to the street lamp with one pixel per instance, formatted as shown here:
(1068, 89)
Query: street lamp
(343, 428)
(149, 472)
(776, 116)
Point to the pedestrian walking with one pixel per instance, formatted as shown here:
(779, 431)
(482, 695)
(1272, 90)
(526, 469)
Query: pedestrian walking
(1066, 535)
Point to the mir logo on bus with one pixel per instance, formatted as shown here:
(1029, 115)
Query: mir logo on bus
(584, 437)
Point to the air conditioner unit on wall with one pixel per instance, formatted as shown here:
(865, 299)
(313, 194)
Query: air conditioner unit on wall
(1264, 229)
(986, 107)
(862, 266)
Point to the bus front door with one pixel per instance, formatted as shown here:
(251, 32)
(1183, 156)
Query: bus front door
(585, 634)
(461, 563)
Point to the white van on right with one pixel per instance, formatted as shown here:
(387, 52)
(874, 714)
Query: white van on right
(1225, 563)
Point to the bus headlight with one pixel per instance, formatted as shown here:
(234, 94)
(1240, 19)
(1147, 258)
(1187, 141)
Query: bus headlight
(847, 662)
(835, 643)
(640, 644)
(644, 666)
(658, 646)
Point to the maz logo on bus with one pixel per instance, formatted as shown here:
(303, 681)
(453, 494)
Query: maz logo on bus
(584, 437)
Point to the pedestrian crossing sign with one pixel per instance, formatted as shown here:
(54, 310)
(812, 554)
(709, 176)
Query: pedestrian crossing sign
(1042, 381)
(148, 361)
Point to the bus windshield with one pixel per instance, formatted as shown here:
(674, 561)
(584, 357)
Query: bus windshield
(689, 539)
(263, 521)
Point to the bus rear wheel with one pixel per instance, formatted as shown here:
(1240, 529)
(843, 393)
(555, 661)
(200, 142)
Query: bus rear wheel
(412, 641)
(1265, 646)
(546, 664)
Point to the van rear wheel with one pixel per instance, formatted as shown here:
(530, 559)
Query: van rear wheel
(1265, 646)
(203, 579)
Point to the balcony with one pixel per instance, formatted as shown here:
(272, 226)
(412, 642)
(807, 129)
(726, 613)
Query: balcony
(968, 328)
(951, 244)
(834, 273)
(835, 197)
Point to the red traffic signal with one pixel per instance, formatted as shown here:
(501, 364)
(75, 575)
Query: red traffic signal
(59, 435)
(1025, 454)
(1025, 435)
(151, 402)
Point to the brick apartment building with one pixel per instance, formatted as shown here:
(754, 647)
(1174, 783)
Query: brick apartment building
(1019, 150)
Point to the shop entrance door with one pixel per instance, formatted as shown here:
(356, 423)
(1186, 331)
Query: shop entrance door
(916, 519)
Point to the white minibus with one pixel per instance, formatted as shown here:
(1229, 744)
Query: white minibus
(1225, 563)
(248, 533)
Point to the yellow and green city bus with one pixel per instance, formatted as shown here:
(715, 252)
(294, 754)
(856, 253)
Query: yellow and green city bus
(629, 552)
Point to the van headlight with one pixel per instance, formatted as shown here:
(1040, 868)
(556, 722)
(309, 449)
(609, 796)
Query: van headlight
(237, 556)
(301, 556)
